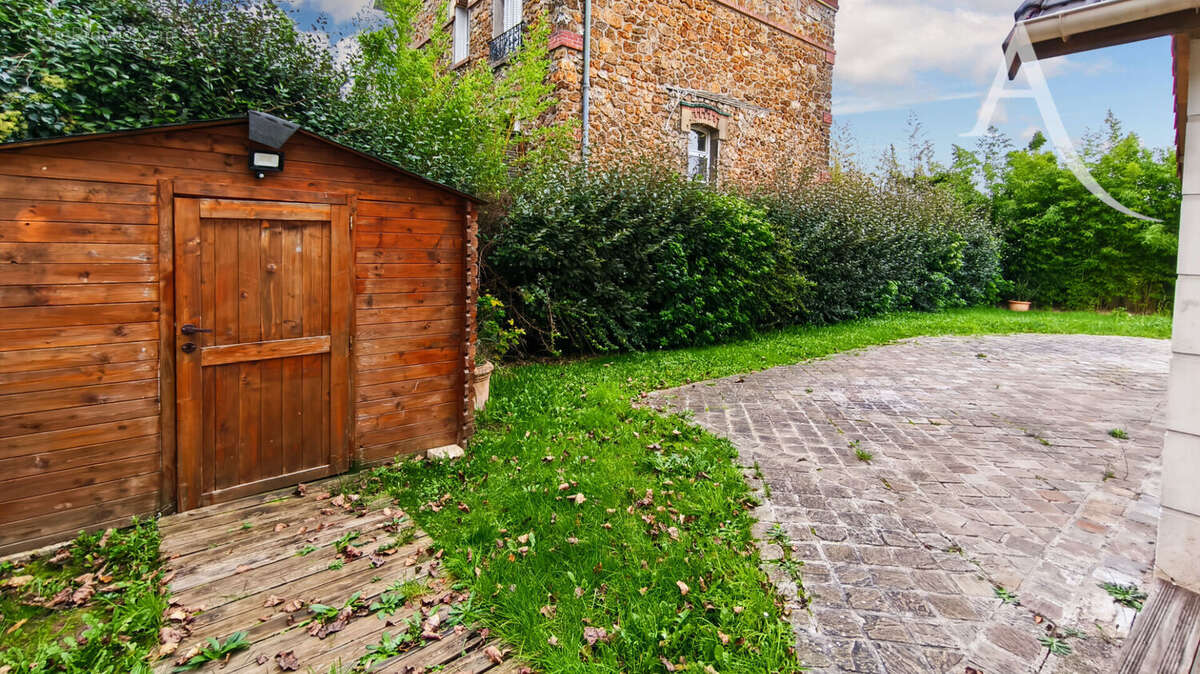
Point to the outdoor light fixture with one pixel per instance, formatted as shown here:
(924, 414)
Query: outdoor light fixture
(264, 161)
(272, 132)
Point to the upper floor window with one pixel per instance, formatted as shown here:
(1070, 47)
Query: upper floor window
(462, 33)
(507, 29)
(509, 14)
(702, 154)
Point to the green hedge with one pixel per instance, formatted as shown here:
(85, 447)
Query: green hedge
(868, 245)
(637, 257)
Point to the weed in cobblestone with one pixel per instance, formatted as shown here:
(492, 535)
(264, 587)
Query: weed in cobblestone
(860, 453)
(954, 549)
(1108, 475)
(778, 536)
(1005, 595)
(1125, 595)
(1119, 434)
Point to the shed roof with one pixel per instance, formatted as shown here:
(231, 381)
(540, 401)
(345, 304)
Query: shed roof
(34, 142)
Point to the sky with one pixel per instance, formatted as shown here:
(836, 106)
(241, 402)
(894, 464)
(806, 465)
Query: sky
(936, 59)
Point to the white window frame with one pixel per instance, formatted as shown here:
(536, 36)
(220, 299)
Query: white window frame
(462, 33)
(706, 159)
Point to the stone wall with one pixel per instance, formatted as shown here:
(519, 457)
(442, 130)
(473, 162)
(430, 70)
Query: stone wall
(758, 71)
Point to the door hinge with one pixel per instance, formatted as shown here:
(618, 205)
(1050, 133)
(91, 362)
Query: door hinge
(352, 223)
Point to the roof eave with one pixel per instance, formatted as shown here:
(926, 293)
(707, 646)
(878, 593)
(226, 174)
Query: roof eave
(1104, 24)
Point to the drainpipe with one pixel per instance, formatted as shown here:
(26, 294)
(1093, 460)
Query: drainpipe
(586, 87)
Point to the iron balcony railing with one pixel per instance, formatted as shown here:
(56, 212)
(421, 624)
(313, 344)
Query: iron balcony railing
(506, 43)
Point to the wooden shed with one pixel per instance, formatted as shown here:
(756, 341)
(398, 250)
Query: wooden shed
(178, 330)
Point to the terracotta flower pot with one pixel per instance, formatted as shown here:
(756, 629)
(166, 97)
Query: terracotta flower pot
(1018, 305)
(483, 383)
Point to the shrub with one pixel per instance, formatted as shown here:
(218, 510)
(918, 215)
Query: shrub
(1069, 249)
(636, 257)
(869, 245)
(76, 66)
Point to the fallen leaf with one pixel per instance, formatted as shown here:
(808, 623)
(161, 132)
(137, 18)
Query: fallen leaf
(578, 592)
(169, 639)
(17, 625)
(553, 640)
(178, 615)
(723, 637)
(274, 600)
(494, 654)
(293, 606)
(243, 568)
(572, 540)
(19, 581)
(593, 634)
(104, 539)
(667, 664)
(261, 660)
(287, 661)
(579, 498)
(683, 588)
(83, 594)
(738, 609)
(548, 611)
(279, 527)
(61, 556)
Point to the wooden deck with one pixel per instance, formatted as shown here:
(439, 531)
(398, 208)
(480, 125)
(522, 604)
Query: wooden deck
(255, 565)
(1166, 636)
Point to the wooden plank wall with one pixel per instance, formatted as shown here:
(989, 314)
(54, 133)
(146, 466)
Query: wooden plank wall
(80, 426)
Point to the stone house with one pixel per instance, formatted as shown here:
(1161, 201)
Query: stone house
(731, 90)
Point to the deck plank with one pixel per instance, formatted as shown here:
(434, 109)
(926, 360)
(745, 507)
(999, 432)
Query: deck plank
(1166, 636)
(229, 577)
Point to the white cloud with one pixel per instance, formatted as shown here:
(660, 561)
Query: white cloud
(339, 11)
(888, 42)
(895, 54)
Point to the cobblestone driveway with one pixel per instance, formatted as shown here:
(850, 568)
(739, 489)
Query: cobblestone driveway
(993, 465)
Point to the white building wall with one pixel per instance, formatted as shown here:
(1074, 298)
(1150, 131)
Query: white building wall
(1178, 545)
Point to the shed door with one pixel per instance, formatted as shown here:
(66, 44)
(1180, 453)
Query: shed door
(262, 325)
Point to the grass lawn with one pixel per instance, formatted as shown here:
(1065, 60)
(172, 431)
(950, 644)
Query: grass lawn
(602, 537)
(596, 536)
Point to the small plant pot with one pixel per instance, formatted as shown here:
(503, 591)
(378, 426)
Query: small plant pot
(1018, 305)
(483, 383)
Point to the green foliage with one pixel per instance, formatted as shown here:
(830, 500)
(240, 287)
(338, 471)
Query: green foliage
(460, 127)
(111, 632)
(1005, 595)
(869, 245)
(636, 256)
(77, 66)
(215, 650)
(497, 334)
(1062, 245)
(1125, 595)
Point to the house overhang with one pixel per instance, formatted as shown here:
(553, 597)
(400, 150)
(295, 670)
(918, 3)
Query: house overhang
(1072, 27)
